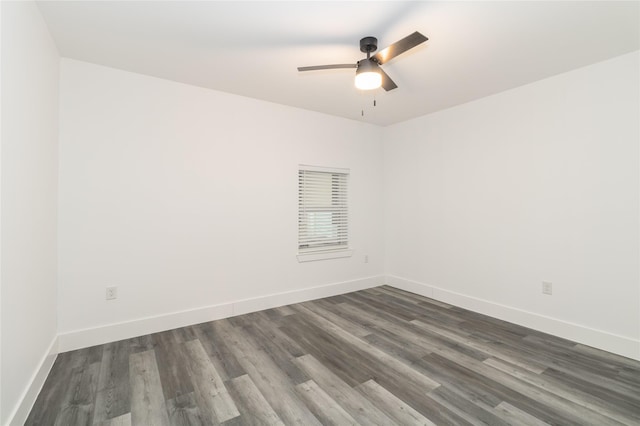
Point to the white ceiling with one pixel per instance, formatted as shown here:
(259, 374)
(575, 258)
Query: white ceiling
(475, 48)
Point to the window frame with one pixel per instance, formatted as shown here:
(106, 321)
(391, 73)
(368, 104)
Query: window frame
(328, 251)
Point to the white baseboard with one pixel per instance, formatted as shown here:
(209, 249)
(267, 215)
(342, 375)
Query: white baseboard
(113, 332)
(613, 343)
(28, 397)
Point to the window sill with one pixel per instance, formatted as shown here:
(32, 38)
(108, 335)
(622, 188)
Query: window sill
(325, 255)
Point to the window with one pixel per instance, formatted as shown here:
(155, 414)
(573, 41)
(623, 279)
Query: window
(323, 221)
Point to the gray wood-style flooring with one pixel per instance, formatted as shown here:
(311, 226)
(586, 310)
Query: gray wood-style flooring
(375, 357)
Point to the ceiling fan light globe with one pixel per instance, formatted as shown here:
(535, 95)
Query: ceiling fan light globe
(368, 80)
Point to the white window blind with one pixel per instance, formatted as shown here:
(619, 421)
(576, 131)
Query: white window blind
(323, 222)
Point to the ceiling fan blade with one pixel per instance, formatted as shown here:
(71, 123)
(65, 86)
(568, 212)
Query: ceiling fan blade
(327, 67)
(399, 47)
(387, 83)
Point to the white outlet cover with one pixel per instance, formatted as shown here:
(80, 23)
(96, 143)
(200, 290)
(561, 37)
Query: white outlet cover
(111, 293)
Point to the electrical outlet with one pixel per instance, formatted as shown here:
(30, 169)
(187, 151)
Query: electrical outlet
(112, 293)
(366, 258)
(547, 288)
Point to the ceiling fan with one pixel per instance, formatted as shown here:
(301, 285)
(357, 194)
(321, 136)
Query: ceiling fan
(369, 75)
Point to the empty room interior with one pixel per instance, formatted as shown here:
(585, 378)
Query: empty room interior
(305, 212)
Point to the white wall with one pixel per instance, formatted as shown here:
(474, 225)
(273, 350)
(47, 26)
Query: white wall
(185, 197)
(29, 204)
(486, 200)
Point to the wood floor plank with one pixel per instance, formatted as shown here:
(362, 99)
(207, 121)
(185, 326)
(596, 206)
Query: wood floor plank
(474, 412)
(353, 360)
(370, 321)
(279, 347)
(147, 401)
(285, 310)
(474, 387)
(598, 374)
(602, 356)
(214, 401)
(512, 390)
(113, 398)
(273, 383)
(123, 420)
(562, 354)
(274, 337)
(48, 404)
(184, 334)
(403, 350)
(344, 323)
(323, 406)
(330, 350)
(623, 414)
(254, 408)
(488, 350)
(77, 407)
(515, 416)
(141, 344)
(378, 303)
(506, 347)
(416, 310)
(406, 331)
(171, 365)
(389, 361)
(414, 297)
(411, 298)
(222, 357)
(335, 299)
(352, 401)
(624, 403)
(183, 410)
(391, 405)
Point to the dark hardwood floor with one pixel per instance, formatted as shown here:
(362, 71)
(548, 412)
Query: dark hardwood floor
(374, 357)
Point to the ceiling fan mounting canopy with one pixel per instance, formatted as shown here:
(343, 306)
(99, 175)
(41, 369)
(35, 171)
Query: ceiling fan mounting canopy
(368, 44)
(371, 64)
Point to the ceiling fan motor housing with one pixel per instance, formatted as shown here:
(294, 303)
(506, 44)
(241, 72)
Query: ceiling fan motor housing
(368, 44)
